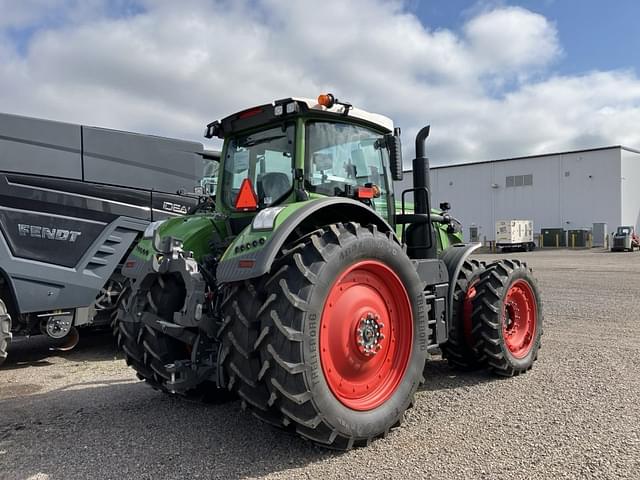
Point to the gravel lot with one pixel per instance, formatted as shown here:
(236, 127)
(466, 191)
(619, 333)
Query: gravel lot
(575, 415)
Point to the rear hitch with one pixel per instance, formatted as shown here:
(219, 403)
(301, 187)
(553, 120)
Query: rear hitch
(204, 365)
(174, 330)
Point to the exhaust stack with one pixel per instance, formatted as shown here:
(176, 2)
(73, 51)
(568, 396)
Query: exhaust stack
(423, 236)
(421, 172)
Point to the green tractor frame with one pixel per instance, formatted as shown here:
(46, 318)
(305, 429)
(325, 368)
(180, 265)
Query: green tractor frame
(308, 290)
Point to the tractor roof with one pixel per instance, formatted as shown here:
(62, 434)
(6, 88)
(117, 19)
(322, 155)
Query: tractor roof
(264, 114)
(376, 118)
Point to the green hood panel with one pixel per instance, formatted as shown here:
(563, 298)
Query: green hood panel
(253, 240)
(195, 232)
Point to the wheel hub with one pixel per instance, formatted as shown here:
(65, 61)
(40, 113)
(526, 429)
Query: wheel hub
(369, 334)
(511, 317)
(58, 326)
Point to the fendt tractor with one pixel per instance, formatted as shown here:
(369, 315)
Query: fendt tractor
(306, 292)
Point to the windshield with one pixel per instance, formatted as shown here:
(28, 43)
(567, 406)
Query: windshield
(624, 230)
(339, 154)
(266, 158)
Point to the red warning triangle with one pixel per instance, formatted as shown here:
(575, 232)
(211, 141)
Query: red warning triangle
(247, 198)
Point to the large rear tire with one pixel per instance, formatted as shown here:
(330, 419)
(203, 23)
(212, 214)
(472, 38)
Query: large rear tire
(344, 337)
(507, 316)
(459, 349)
(5, 331)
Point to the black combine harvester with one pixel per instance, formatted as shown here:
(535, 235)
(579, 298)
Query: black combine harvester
(73, 202)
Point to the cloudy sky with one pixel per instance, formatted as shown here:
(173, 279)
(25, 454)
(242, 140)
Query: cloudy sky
(493, 78)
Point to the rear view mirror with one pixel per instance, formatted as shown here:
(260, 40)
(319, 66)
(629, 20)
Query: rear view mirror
(213, 130)
(395, 154)
(208, 185)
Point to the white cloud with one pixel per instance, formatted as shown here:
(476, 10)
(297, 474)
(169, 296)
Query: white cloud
(512, 39)
(177, 65)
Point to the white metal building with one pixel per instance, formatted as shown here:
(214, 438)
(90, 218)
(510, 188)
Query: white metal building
(568, 190)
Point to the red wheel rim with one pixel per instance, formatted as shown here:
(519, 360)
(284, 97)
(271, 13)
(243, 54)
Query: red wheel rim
(467, 311)
(366, 335)
(519, 319)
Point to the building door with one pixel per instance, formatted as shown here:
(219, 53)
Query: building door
(473, 234)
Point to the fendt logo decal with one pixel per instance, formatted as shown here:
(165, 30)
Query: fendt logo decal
(47, 233)
(174, 207)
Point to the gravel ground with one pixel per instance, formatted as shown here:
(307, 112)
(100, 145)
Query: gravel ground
(575, 415)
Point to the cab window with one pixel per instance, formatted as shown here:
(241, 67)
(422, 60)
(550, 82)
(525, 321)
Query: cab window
(266, 158)
(340, 154)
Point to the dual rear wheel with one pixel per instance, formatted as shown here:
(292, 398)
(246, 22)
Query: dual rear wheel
(507, 318)
(497, 318)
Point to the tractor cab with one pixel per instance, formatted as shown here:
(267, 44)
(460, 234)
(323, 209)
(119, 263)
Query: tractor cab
(296, 149)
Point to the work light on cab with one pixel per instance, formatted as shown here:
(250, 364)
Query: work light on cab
(289, 108)
(326, 100)
(329, 100)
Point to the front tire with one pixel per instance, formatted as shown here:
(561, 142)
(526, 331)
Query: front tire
(344, 335)
(240, 358)
(147, 350)
(507, 316)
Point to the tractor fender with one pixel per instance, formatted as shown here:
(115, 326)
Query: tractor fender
(454, 257)
(313, 214)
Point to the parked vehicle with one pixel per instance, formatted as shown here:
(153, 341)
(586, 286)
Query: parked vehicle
(514, 235)
(625, 239)
(73, 202)
(297, 294)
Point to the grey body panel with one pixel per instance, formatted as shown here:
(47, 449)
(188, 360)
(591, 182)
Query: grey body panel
(43, 286)
(113, 157)
(42, 147)
(141, 161)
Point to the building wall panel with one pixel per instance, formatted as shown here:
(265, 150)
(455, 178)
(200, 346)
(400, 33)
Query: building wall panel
(569, 191)
(630, 180)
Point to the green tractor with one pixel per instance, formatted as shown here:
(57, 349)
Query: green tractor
(307, 291)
